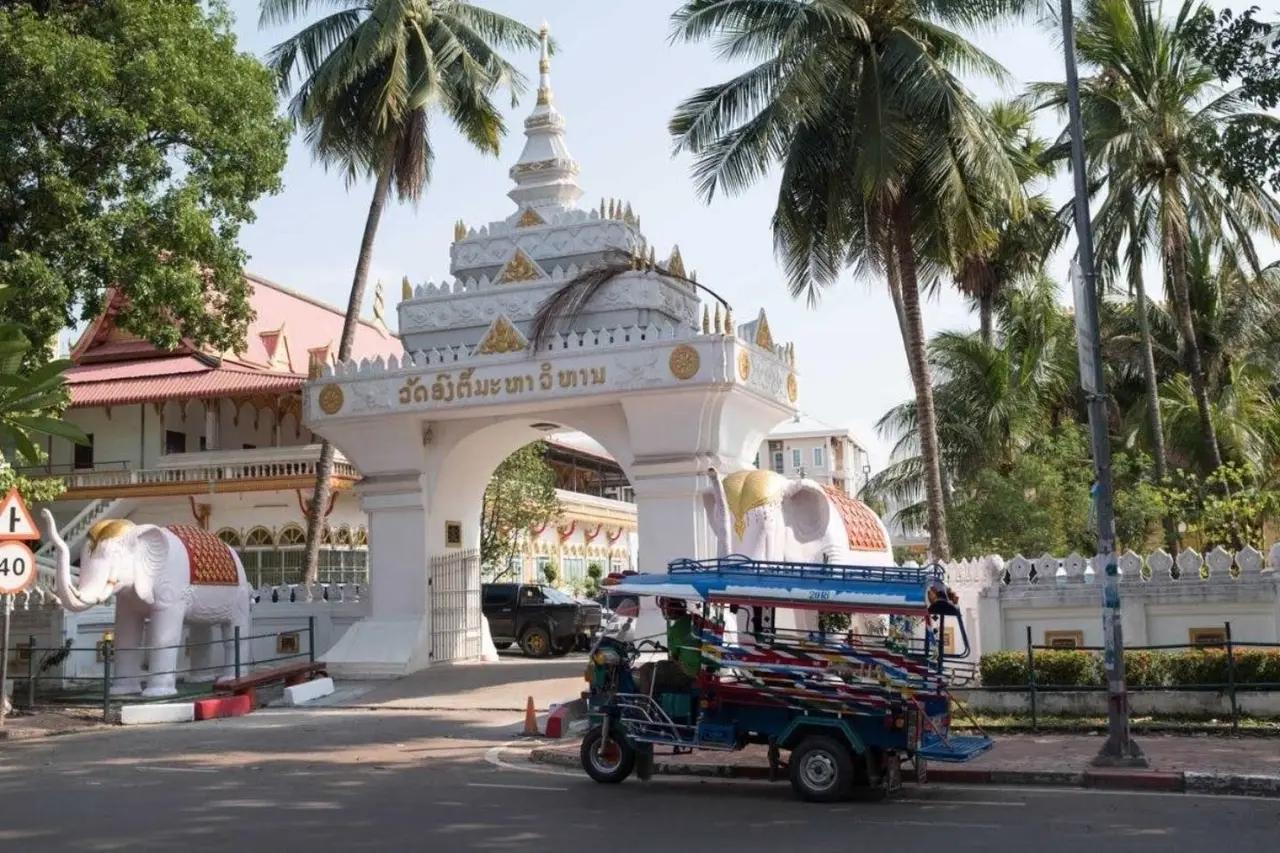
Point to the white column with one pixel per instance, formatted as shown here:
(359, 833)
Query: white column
(670, 514)
(395, 638)
(211, 414)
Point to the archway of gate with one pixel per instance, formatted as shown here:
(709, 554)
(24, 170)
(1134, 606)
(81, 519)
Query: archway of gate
(425, 476)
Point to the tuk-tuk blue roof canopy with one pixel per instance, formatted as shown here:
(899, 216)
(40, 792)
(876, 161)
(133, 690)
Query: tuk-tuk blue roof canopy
(810, 586)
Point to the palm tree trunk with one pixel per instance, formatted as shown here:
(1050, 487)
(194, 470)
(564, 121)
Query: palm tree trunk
(1155, 422)
(1176, 253)
(986, 305)
(324, 467)
(914, 342)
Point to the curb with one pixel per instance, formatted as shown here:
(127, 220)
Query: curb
(1115, 780)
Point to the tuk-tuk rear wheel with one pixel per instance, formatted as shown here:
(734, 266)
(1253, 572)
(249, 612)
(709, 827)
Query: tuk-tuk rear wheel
(822, 769)
(607, 763)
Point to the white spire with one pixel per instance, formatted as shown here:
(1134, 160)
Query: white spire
(546, 173)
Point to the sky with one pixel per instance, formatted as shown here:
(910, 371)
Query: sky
(617, 79)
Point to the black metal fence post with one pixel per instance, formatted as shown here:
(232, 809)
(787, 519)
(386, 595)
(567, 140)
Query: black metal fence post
(108, 651)
(1231, 681)
(1031, 680)
(311, 638)
(31, 671)
(237, 653)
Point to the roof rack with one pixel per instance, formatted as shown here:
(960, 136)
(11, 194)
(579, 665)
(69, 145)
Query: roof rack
(741, 565)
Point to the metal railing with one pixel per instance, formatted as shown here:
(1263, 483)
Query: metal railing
(94, 690)
(1231, 685)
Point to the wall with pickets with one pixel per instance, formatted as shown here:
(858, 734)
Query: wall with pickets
(1166, 599)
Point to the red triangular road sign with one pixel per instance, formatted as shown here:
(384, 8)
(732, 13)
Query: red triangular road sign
(15, 519)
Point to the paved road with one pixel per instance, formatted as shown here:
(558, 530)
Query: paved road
(442, 781)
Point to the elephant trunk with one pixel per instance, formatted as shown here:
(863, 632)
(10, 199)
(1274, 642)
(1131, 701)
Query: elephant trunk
(719, 513)
(67, 592)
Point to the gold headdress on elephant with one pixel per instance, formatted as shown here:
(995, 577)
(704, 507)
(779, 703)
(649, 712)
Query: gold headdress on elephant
(107, 528)
(746, 490)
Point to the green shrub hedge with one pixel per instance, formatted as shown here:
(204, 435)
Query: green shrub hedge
(1066, 668)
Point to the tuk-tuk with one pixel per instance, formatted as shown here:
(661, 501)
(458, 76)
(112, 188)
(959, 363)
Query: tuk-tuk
(850, 707)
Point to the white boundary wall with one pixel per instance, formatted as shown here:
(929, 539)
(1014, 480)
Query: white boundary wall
(1163, 597)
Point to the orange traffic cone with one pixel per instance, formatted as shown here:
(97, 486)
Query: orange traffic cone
(530, 720)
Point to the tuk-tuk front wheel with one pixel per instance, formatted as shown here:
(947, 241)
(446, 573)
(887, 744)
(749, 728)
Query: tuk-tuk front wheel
(608, 763)
(822, 769)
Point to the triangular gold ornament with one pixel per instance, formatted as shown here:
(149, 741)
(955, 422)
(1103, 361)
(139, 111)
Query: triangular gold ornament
(520, 268)
(764, 338)
(501, 337)
(530, 218)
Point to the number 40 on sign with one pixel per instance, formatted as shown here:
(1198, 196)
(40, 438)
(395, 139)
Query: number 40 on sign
(17, 563)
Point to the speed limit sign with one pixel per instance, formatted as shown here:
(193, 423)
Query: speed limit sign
(17, 567)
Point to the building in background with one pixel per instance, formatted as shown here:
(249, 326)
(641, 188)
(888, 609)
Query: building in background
(807, 447)
(215, 439)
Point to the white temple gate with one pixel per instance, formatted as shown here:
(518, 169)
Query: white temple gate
(643, 369)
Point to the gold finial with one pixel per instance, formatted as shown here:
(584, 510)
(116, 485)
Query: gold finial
(628, 216)
(603, 209)
(718, 324)
(611, 209)
(706, 320)
(675, 264)
(728, 322)
(544, 66)
(377, 302)
(459, 230)
(406, 289)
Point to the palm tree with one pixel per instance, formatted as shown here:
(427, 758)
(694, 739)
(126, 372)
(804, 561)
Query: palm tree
(1017, 234)
(993, 399)
(857, 104)
(1148, 112)
(365, 80)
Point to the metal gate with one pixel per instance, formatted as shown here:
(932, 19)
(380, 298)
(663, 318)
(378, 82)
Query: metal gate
(455, 606)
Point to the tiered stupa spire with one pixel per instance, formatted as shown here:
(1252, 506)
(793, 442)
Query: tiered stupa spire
(546, 173)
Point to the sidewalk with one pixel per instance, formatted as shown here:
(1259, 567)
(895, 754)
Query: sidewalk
(1213, 765)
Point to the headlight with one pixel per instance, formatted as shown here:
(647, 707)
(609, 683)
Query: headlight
(605, 657)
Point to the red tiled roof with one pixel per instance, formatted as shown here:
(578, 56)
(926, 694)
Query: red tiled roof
(179, 384)
(112, 367)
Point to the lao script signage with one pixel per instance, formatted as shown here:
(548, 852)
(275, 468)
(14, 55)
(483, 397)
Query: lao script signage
(450, 385)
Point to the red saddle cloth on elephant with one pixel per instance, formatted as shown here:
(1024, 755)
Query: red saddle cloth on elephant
(211, 560)
(862, 525)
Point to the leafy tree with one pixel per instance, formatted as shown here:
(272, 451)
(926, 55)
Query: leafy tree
(31, 403)
(858, 105)
(134, 141)
(521, 495)
(1244, 51)
(365, 81)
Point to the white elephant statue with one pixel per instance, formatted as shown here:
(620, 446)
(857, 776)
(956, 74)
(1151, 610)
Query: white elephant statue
(168, 576)
(765, 516)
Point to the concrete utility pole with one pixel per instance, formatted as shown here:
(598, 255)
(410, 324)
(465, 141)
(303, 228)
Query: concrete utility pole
(1119, 748)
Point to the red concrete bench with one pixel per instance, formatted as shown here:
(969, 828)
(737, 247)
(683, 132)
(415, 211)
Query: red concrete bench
(290, 674)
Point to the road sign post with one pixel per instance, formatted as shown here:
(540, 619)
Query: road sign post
(17, 573)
